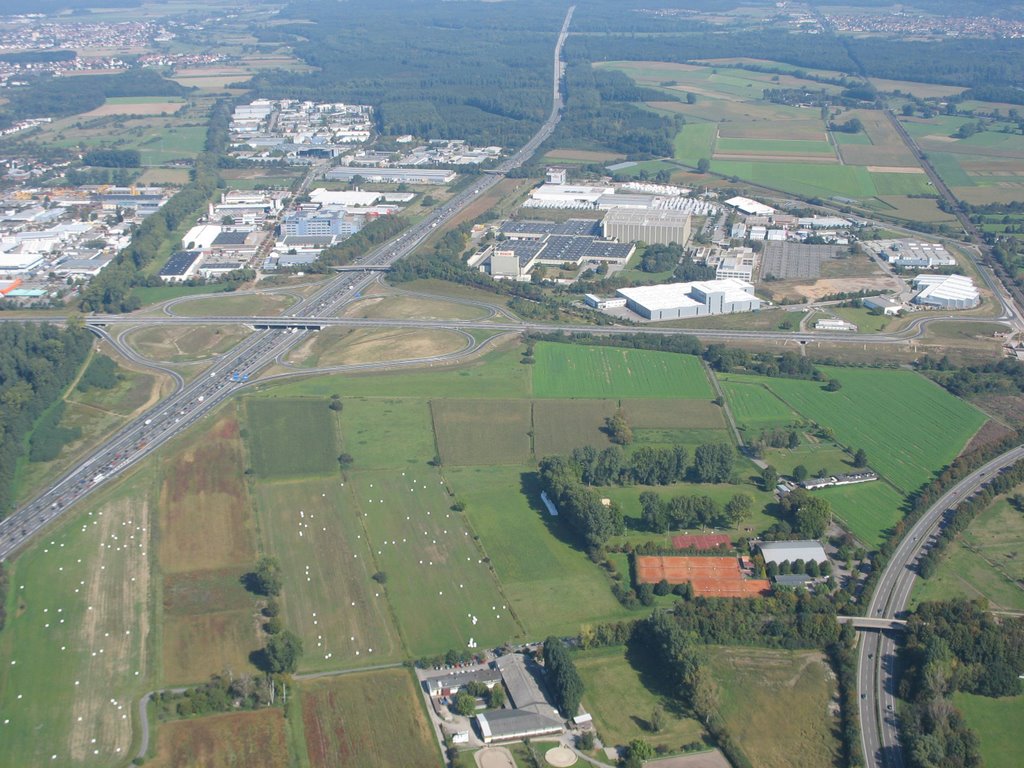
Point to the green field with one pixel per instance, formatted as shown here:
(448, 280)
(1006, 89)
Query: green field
(483, 431)
(621, 693)
(329, 599)
(810, 180)
(755, 407)
(148, 295)
(756, 685)
(561, 425)
(228, 305)
(694, 142)
(995, 721)
(869, 510)
(552, 584)
(437, 579)
(983, 563)
(78, 637)
(773, 147)
(569, 370)
(371, 720)
(292, 437)
(384, 432)
(877, 410)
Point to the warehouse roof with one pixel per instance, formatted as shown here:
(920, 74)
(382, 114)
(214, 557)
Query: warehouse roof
(230, 238)
(656, 297)
(515, 724)
(179, 263)
(579, 227)
(945, 287)
(628, 216)
(779, 551)
(746, 205)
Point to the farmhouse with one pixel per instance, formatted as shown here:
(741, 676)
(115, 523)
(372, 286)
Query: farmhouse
(448, 685)
(676, 300)
(781, 551)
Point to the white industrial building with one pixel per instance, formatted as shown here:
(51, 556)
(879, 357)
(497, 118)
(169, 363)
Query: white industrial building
(15, 263)
(649, 226)
(834, 324)
(946, 291)
(824, 222)
(781, 551)
(883, 304)
(738, 263)
(680, 300)
(750, 207)
(568, 195)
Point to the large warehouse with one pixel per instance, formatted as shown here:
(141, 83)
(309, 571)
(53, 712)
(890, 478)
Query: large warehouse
(946, 291)
(678, 300)
(663, 227)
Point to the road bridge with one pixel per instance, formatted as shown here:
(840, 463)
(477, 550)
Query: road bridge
(869, 623)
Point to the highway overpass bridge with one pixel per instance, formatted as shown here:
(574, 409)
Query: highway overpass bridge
(863, 622)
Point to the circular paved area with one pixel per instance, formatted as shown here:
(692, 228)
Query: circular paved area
(495, 757)
(560, 757)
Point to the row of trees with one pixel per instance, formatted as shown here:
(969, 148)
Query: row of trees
(283, 649)
(734, 360)
(37, 362)
(222, 693)
(647, 465)
(565, 682)
(660, 514)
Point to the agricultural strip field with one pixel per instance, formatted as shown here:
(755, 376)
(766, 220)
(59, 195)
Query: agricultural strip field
(755, 407)
(621, 693)
(561, 425)
(996, 722)
(252, 739)
(387, 433)
(329, 597)
(984, 563)
(756, 684)
(483, 432)
(570, 370)
(869, 510)
(77, 645)
(552, 584)
(291, 438)
(205, 544)
(369, 720)
(182, 344)
(438, 584)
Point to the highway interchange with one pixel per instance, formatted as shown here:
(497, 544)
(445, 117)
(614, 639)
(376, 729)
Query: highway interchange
(276, 335)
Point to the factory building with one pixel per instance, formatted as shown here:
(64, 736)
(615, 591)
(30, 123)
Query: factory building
(682, 300)
(320, 223)
(182, 266)
(649, 226)
(393, 175)
(946, 291)
(738, 263)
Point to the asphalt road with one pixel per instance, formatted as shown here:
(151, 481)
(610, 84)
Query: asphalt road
(239, 366)
(877, 659)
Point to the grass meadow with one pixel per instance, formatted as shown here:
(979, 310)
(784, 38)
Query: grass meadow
(367, 721)
(756, 684)
(996, 723)
(483, 431)
(569, 370)
(984, 563)
(621, 693)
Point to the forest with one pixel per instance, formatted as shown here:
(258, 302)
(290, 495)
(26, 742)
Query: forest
(37, 362)
(46, 96)
(481, 73)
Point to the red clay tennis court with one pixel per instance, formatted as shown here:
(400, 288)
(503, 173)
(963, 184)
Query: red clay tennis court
(702, 541)
(710, 576)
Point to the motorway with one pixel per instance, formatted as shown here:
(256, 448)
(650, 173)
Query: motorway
(876, 682)
(239, 366)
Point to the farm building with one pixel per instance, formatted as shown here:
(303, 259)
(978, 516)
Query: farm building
(180, 267)
(850, 479)
(511, 724)
(946, 291)
(676, 300)
(781, 551)
(883, 304)
(449, 684)
(661, 227)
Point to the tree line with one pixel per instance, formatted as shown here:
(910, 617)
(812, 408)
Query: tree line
(222, 693)
(680, 512)
(565, 681)
(954, 646)
(37, 362)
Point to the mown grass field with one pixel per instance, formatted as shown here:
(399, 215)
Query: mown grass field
(258, 739)
(561, 425)
(372, 720)
(387, 432)
(996, 723)
(152, 295)
(569, 370)
(755, 685)
(329, 598)
(337, 346)
(263, 304)
(292, 438)
(984, 563)
(408, 307)
(621, 693)
(78, 634)
(552, 584)
(437, 578)
(754, 406)
(869, 510)
(181, 344)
